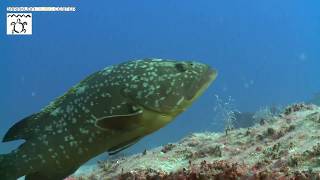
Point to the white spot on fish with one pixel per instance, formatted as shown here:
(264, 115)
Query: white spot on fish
(74, 120)
(180, 101)
(80, 89)
(56, 112)
(145, 84)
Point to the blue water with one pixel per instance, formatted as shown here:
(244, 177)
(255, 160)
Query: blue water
(266, 52)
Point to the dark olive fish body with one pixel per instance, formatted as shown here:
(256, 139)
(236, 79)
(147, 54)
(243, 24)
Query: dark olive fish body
(108, 111)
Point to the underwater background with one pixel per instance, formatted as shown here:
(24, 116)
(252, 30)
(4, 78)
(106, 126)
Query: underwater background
(266, 53)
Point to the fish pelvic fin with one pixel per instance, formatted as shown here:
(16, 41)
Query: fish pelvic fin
(55, 175)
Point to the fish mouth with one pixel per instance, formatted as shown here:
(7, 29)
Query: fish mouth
(196, 91)
(209, 76)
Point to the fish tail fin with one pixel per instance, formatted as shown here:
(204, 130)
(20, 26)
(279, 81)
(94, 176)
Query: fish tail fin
(8, 171)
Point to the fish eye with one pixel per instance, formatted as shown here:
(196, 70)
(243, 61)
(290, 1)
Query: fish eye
(181, 67)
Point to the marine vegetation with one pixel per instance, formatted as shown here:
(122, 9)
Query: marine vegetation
(285, 146)
(108, 111)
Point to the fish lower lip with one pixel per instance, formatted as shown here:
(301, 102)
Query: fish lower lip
(212, 73)
(210, 76)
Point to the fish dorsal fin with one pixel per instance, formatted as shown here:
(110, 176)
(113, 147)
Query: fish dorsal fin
(21, 130)
(114, 150)
(120, 122)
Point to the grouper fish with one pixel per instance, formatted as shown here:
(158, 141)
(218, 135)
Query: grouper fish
(107, 111)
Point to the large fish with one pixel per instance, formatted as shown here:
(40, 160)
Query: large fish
(108, 111)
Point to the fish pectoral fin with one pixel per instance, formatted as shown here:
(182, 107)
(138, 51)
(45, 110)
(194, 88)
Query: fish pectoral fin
(120, 122)
(114, 150)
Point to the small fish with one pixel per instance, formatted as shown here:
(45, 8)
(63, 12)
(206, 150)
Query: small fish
(108, 111)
